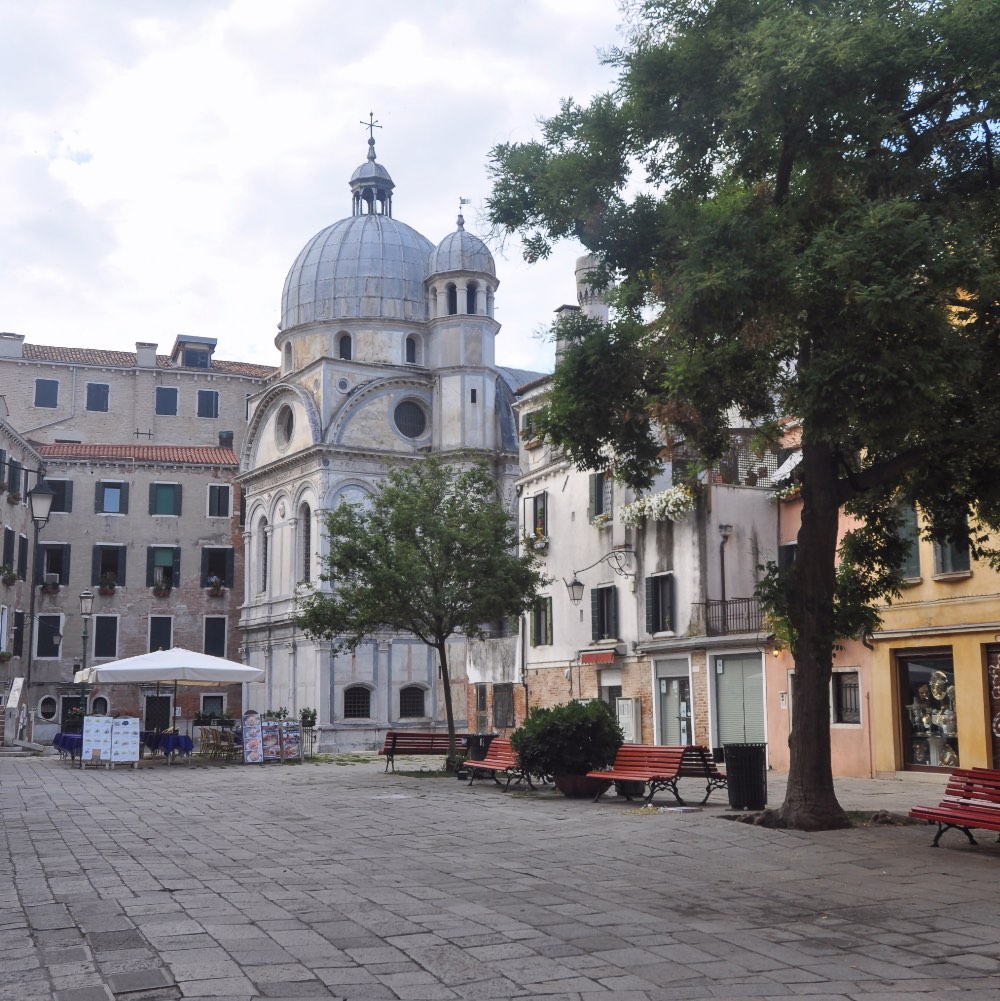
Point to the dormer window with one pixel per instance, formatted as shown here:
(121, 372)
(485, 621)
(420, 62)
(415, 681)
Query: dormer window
(195, 358)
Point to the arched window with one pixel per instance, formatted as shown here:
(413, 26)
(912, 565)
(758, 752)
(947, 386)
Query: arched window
(470, 297)
(357, 702)
(344, 347)
(411, 350)
(288, 357)
(452, 300)
(411, 701)
(99, 707)
(263, 543)
(305, 548)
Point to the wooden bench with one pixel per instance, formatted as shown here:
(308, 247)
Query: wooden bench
(971, 800)
(660, 767)
(411, 742)
(500, 758)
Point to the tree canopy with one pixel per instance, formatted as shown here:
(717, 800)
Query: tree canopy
(795, 205)
(434, 555)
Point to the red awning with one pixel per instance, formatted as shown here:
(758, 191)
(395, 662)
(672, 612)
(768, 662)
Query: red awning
(598, 657)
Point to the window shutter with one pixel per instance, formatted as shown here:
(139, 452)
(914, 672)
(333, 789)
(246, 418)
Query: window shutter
(8, 546)
(667, 612)
(124, 496)
(595, 497)
(95, 566)
(3, 464)
(69, 496)
(229, 568)
(178, 491)
(122, 559)
(204, 568)
(532, 631)
(152, 498)
(64, 576)
(177, 566)
(651, 605)
(99, 497)
(548, 621)
(149, 566)
(595, 613)
(22, 557)
(542, 508)
(613, 612)
(39, 562)
(17, 640)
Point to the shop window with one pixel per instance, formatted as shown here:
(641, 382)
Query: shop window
(165, 498)
(930, 724)
(219, 500)
(739, 692)
(215, 636)
(97, 397)
(208, 403)
(411, 701)
(111, 497)
(603, 613)
(47, 393)
(660, 603)
(541, 622)
(105, 636)
(166, 401)
(503, 706)
(846, 697)
(357, 702)
(161, 632)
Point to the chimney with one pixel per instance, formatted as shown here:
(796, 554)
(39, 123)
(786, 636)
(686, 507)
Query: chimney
(145, 355)
(11, 345)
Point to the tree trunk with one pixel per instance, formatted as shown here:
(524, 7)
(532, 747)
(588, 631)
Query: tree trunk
(810, 800)
(449, 711)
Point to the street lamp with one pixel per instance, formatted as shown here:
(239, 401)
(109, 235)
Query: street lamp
(86, 608)
(617, 559)
(40, 499)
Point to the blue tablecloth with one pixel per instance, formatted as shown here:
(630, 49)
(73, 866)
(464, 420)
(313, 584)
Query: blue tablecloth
(168, 744)
(68, 743)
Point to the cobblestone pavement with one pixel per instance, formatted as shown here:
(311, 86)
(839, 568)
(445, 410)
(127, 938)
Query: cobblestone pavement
(327, 881)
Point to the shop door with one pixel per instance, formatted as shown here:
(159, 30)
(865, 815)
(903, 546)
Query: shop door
(675, 711)
(993, 667)
(739, 691)
(157, 712)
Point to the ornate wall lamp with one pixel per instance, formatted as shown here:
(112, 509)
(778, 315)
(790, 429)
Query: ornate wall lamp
(617, 559)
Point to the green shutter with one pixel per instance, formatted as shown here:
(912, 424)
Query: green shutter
(124, 498)
(667, 612)
(152, 498)
(204, 568)
(229, 568)
(532, 615)
(177, 567)
(613, 613)
(178, 490)
(122, 559)
(651, 605)
(150, 555)
(595, 497)
(69, 496)
(95, 566)
(595, 613)
(64, 576)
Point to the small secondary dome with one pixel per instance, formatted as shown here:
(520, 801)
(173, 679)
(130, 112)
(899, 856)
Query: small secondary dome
(461, 251)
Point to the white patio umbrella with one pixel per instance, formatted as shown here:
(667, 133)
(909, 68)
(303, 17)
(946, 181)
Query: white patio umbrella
(176, 666)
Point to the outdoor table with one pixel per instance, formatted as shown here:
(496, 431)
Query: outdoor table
(68, 743)
(167, 744)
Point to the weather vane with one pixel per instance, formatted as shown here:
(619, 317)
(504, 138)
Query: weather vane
(371, 125)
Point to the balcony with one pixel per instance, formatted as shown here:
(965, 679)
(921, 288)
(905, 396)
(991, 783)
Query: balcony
(734, 615)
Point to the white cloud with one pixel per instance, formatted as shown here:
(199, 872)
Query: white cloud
(167, 159)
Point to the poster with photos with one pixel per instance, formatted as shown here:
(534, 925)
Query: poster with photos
(253, 738)
(125, 739)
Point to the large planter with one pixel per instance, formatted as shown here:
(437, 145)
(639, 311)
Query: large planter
(580, 786)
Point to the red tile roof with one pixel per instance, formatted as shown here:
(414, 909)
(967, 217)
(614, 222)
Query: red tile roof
(191, 455)
(127, 359)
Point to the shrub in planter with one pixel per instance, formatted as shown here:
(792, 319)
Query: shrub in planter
(570, 739)
(307, 716)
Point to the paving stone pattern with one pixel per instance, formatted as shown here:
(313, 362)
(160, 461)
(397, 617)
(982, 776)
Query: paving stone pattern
(327, 881)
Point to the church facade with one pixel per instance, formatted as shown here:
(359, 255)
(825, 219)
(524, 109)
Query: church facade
(387, 353)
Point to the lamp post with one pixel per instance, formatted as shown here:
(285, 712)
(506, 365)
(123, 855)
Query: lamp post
(40, 499)
(86, 608)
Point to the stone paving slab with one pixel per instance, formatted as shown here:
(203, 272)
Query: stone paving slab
(343, 882)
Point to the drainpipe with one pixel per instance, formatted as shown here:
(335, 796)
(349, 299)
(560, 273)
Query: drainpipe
(725, 531)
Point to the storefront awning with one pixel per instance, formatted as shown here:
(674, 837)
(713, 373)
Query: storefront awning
(598, 657)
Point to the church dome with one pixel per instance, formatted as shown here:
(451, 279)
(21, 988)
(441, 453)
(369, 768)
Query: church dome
(461, 251)
(366, 266)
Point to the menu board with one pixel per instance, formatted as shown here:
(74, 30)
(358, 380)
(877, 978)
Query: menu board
(271, 739)
(253, 740)
(291, 740)
(125, 739)
(96, 737)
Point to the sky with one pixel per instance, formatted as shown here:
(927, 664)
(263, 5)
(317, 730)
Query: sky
(162, 162)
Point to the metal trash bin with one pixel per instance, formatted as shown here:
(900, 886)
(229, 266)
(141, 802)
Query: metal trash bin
(479, 744)
(746, 775)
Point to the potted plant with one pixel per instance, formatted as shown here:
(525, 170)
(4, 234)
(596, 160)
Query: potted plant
(566, 742)
(107, 583)
(161, 590)
(5, 655)
(50, 588)
(8, 574)
(73, 720)
(307, 717)
(13, 497)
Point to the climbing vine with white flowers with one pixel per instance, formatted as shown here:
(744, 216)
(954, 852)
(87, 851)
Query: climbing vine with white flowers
(668, 505)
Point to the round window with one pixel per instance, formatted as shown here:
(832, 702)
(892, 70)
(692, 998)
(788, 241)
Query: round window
(47, 708)
(285, 425)
(410, 419)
